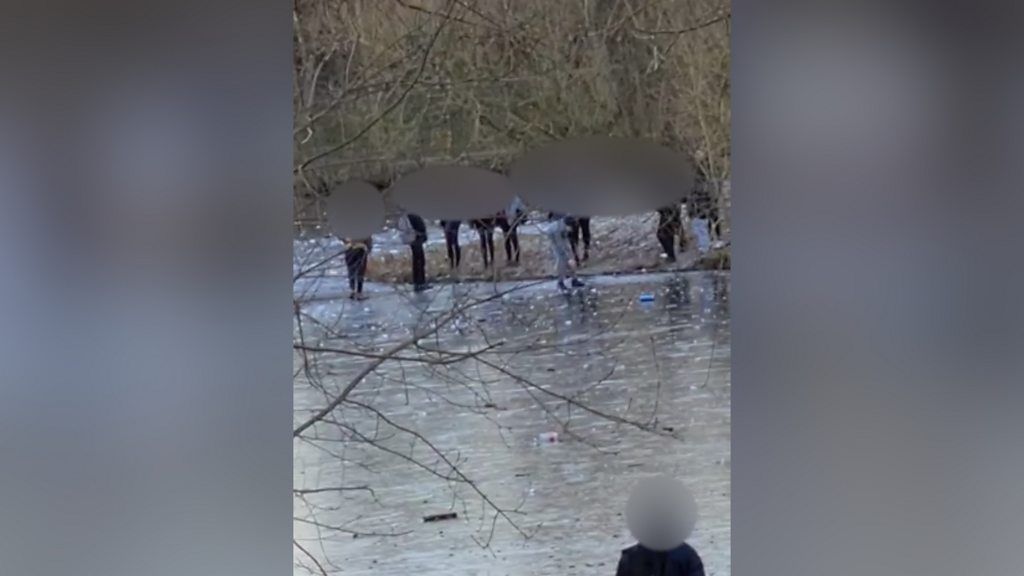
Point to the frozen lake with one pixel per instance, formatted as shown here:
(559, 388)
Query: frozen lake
(632, 387)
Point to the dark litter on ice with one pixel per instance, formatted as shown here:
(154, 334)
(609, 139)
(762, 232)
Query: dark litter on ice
(440, 517)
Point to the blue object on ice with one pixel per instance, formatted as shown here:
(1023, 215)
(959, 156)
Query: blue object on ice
(647, 297)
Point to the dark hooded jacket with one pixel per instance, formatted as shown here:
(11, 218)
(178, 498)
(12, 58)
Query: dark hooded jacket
(670, 218)
(639, 561)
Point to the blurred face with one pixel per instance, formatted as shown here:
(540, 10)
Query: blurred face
(661, 513)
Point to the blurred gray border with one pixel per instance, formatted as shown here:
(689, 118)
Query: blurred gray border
(877, 377)
(145, 292)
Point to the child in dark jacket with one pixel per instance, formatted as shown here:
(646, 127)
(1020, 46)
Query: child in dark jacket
(357, 256)
(661, 513)
(680, 561)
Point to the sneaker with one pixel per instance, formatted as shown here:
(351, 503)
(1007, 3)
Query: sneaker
(421, 287)
(561, 286)
(576, 283)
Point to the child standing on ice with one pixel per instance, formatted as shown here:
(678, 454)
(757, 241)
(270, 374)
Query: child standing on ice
(357, 256)
(558, 233)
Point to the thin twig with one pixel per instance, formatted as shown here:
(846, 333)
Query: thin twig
(310, 556)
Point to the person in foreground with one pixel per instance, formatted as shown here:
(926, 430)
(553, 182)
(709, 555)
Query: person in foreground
(661, 515)
(682, 560)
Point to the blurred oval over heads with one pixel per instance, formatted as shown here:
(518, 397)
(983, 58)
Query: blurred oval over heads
(603, 176)
(355, 209)
(661, 513)
(453, 192)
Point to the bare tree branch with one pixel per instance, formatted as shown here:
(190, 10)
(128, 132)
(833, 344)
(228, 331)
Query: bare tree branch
(694, 28)
(438, 324)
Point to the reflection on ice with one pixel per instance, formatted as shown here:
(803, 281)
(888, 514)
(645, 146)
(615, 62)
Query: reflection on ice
(630, 388)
